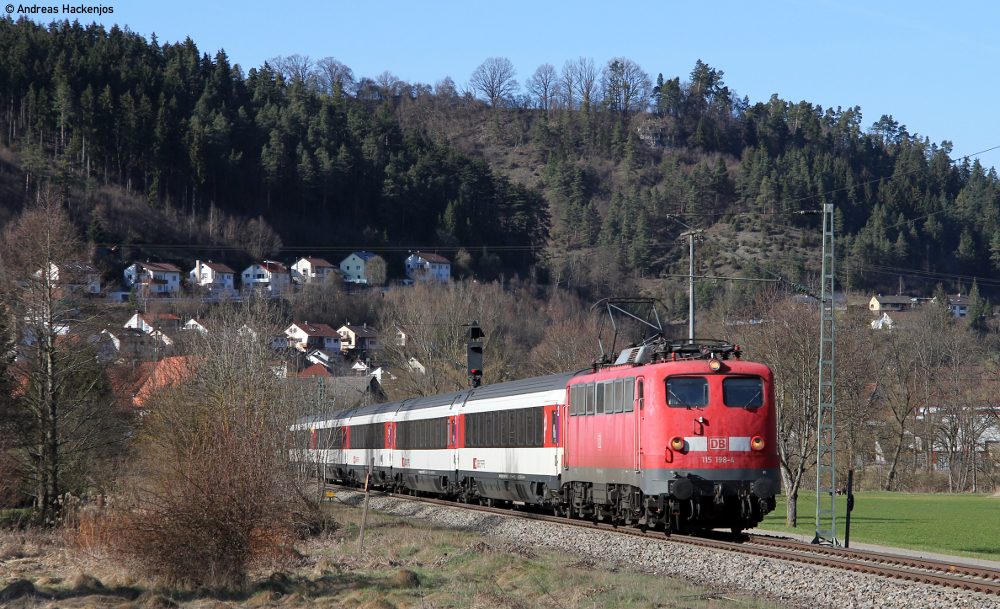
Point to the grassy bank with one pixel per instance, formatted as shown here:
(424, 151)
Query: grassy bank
(406, 563)
(959, 524)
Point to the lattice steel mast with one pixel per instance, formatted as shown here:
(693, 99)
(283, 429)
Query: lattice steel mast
(826, 452)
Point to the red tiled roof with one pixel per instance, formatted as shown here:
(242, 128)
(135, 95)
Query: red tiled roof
(314, 371)
(272, 266)
(317, 262)
(168, 372)
(363, 331)
(433, 258)
(317, 329)
(163, 267)
(218, 267)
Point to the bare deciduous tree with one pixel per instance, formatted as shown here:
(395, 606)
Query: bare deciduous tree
(294, 68)
(567, 85)
(542, 84)
(787, 341)
(586, 80)
(494, 78)
(63, 417)
(626, 87)
(377, 270)
(331, 73)
(215, 492)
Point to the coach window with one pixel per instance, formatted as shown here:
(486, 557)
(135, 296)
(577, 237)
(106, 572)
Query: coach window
(520, 427)
(687, 392)
(511, 428)
(590, 398)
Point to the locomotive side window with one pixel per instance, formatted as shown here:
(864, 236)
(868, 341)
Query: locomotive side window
(600, 398)
(630, 388)
(619, 395)
(590, 398)
(687, 392)
(574, 393)
(609, 397)
(743, 392)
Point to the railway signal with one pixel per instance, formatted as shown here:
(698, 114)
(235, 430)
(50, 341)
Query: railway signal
(474, 353)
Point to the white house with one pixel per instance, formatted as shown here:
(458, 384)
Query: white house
(153, 325)
(401, 335)
(305, 336)
(267, 276)
(958, 305)
(217, 277)
(75, 276)
(428, 266)
(312, 270)
(154, 277)
(358, 338)
(881, 304)
(195, 324)
(353, 267)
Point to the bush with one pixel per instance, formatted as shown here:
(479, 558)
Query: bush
(211, 494)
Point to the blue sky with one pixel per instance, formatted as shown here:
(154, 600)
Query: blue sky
(932, 65)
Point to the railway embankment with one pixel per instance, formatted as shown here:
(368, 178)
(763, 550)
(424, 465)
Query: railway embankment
(791, 583)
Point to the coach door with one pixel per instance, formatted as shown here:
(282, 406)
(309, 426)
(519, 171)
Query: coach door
(638, 410)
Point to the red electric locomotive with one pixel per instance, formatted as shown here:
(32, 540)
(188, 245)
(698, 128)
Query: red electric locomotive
(676, 435)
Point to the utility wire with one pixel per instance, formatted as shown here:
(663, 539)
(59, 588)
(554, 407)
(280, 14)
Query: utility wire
(796, 286)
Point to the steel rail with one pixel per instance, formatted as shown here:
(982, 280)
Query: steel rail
(906, 568)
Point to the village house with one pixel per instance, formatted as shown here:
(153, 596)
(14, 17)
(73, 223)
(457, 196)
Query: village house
(402, 334)
(421, 266)
(153, 278)
(305, 336)
(882, 304)
(217, 277)
(75, 276)
(312, 270)
(358, 338)
(130, 344)
(353, 268)
(196, 324)
(154, 325)
(267, 276)
(958, 305)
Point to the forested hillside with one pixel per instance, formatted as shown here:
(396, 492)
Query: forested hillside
(572, 174)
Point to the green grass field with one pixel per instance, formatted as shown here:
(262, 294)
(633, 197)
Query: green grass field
(959, 524)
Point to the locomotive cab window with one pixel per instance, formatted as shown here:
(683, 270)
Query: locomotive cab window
(743, 392)
(687, 392)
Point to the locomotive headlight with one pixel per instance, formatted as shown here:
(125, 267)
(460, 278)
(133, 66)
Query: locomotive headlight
(677, 444)
(714, 365)
(757, 443)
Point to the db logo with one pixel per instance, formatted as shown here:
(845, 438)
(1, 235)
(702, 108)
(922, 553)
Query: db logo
(718, 444)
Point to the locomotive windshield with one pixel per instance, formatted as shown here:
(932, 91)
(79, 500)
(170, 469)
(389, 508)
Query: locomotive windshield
(743, 392)
(687, 392)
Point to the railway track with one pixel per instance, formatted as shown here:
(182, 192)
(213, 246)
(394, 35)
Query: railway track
(939, 573)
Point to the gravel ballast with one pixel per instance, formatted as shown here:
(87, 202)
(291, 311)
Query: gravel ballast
(794, 583)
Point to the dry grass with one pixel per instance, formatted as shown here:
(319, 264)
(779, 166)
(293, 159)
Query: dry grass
(405, 564)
